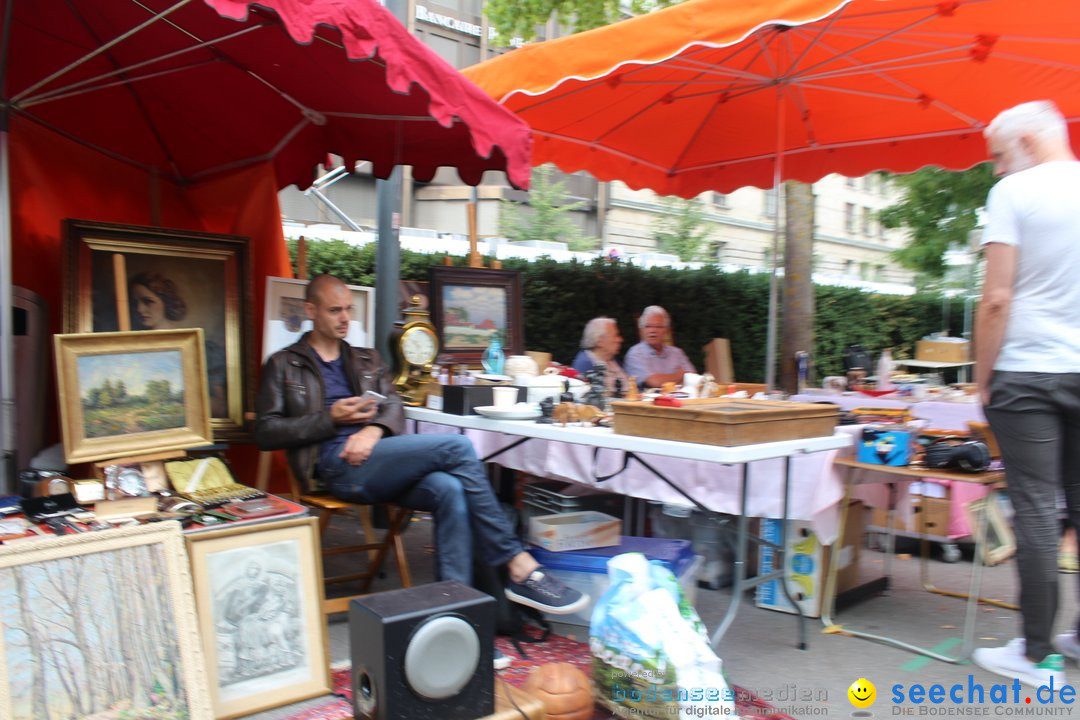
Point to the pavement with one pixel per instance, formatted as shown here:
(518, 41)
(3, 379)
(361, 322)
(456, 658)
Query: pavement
(759, 650)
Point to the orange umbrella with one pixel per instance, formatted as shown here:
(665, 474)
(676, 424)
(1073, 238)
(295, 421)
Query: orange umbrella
(709, 94)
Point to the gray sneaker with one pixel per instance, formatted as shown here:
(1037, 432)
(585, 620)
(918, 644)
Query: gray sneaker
(547, 594)
(1067, 645)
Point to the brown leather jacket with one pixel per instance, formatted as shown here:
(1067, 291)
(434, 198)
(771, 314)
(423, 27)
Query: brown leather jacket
(290, 408)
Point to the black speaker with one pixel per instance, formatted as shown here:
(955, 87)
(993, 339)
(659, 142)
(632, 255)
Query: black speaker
(423, 652)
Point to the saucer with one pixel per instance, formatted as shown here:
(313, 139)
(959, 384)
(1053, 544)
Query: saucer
(521, 411)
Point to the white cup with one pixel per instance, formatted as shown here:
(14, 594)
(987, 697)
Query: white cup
(504, 397)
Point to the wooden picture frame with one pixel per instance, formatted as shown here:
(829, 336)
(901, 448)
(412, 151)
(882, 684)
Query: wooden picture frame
(127, 393)
(169, 278)
(259, 594)
(98, 621)
(285, 320)
(471, 305)
(1000, 543)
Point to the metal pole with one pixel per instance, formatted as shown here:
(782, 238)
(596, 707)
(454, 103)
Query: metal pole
(388, 252)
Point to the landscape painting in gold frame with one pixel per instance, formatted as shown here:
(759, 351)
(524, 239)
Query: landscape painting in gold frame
(126, 393)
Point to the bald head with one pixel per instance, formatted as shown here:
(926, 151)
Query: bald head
(328, 303)
(316, 289)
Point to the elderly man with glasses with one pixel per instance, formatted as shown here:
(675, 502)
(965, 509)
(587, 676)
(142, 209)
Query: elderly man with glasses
(652, 361)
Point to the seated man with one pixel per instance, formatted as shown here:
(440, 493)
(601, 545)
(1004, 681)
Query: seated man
(600, 343)
(310, 403)
(652, 361)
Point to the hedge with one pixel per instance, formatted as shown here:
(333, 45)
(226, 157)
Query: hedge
(560, 297)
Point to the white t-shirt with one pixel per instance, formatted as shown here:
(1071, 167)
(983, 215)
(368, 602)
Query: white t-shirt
(1038, 211)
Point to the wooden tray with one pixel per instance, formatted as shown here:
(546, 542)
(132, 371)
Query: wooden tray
(726, 421)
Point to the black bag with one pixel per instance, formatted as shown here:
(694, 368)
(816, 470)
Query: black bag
(856, 358)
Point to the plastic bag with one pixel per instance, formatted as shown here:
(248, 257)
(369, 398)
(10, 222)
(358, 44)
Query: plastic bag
(651, 653)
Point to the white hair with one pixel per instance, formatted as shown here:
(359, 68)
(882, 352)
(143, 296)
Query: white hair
(594, 330)
(649, 312)
(1040, 118)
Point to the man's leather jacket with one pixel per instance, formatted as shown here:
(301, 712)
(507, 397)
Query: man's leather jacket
(290, 408)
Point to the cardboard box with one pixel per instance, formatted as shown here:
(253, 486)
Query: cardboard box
(934, 510)
(883, 445)
(948, 351)
(574, 531)
(808, 563)
(718, 360)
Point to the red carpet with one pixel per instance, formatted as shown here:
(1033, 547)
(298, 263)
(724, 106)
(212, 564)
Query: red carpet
(554, 649)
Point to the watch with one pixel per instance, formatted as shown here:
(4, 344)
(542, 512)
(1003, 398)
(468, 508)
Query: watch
(416, 346)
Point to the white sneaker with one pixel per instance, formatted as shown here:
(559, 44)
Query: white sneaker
(1067, 645)
(1011, 662)
(502, 660)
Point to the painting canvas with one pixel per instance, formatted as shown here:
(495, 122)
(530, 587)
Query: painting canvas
(260, 609)
(100, 627)
(126, 393)
(473, 306)
(286, 320)
(122, 277)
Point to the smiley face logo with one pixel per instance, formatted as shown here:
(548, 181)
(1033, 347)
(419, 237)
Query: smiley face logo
(862, 693)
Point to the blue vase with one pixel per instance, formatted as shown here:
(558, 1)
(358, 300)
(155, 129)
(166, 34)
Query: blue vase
(493, 358)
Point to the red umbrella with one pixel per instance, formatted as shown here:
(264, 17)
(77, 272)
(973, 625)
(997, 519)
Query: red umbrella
(197, 87)
(708, 94)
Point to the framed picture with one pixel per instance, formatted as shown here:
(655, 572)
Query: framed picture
(127, 393)
(259, 593)
(1000, 542)
(123, 277)
(285, 319)
(95, 623)
(471, 306)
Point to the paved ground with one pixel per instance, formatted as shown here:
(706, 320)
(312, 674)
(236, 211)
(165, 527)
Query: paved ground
(759, 651)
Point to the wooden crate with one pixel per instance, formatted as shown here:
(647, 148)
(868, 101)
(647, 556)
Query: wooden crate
(726, 421)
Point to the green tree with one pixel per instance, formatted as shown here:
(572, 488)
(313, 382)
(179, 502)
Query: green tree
(521, 18)
(682, 229)
(546, 216)
(939, 209)
(158, 392)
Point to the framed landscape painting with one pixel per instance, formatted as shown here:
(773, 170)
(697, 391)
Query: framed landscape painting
(128, 393)
(259, 595)
(472, 306)
(126, 277)
(100, 626)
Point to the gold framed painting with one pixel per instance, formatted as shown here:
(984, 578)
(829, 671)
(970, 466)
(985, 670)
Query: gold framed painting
(259, 593)
(127, 277)
(96, 622)
(127, 393)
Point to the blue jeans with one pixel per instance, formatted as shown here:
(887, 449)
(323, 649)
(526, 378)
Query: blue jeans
(439, 474)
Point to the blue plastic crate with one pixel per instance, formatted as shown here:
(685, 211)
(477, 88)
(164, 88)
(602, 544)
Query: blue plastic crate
(675, 554)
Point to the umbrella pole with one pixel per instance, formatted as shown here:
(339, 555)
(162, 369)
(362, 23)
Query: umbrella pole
(770, 331)
(7, 356)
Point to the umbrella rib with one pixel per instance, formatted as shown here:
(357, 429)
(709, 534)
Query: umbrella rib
(52, 94)
(70, 91)
(99, 50)
(375, 116)
(589, 144)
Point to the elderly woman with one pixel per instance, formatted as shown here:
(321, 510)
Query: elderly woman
(600, 343)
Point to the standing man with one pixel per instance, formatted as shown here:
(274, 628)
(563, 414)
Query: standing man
(1027, 353)
(312, 403)
(652, 361)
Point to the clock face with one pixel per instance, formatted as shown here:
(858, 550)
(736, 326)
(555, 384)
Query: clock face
(419, 346)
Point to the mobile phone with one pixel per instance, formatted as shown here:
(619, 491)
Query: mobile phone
(377, 397)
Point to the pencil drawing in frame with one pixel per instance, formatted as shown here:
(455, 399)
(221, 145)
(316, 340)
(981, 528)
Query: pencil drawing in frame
(259, 593)
(285, 320)
(126, 277)
(128, 393)
(100, 626)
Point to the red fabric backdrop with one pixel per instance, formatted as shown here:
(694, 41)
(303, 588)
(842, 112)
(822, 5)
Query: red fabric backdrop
(53, 178)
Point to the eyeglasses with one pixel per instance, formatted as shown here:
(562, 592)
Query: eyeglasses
(655, 327)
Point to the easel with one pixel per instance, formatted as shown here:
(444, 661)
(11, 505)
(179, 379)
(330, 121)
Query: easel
(475, 261)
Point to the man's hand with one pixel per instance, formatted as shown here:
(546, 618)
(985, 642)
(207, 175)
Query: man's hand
(353, 410)
(360, 444)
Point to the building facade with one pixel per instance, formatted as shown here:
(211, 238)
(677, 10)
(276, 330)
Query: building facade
(849, 243)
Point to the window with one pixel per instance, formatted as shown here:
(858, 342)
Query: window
(849, 267)
(849, 218)
(770, 202)
(720, 200)
(864, 271)
(849, 182)
(867, 220)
